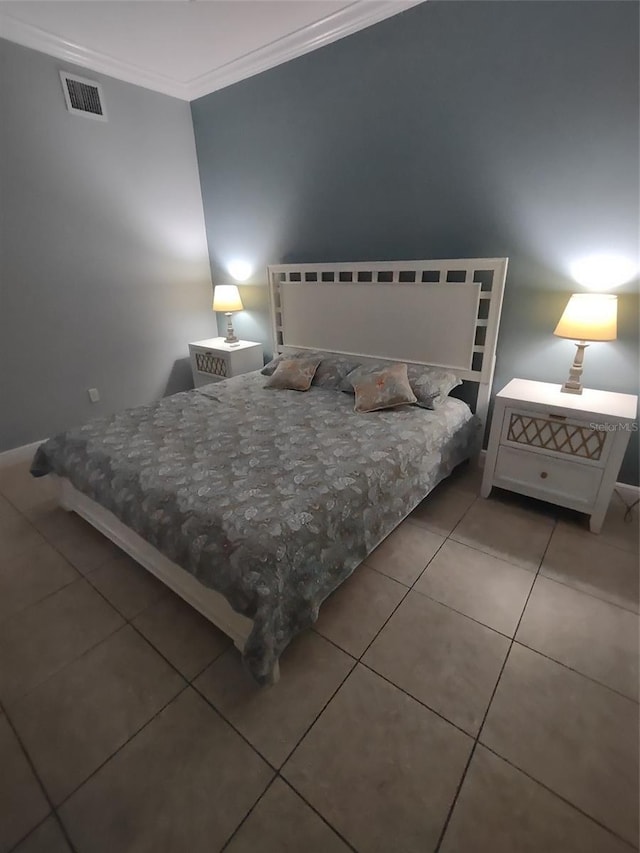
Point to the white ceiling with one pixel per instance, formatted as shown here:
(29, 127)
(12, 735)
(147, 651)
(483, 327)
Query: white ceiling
(186, 48)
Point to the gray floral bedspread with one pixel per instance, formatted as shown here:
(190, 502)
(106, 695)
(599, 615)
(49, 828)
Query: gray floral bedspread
(270, 497)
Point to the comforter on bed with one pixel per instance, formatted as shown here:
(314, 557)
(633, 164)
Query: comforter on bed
(270, 497)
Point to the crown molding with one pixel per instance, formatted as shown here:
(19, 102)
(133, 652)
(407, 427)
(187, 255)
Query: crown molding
(352, 18)
(342, 23)
(29, 36)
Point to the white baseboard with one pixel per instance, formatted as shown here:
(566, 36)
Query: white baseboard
(19, 454)
(628, 492)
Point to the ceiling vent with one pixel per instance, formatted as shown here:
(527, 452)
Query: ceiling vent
(83, 97)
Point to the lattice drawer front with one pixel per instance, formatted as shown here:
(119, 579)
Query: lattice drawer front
(572, 439)
(206, 362)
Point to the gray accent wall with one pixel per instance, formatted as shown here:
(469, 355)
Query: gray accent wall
(455, 129)
(104, 273)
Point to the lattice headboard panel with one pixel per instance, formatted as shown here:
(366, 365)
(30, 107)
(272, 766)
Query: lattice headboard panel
(439, 312)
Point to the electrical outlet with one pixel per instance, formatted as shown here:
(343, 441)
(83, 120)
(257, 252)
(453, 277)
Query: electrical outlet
(94, 395)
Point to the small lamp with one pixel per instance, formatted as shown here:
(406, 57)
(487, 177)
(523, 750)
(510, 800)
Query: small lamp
(587, 317)
(226, 298)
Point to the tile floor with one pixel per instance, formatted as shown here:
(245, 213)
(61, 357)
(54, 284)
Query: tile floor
(472, 687)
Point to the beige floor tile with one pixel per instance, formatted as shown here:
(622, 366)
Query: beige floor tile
(80, 716)
(441, 510)
(501, 810)
(188, 640)
(588, 563)
(466, 477)
(23, 490)
(54, 522)
(590, 635)
(128, 586)
(380, 767)
(7, 511)
(47, 838)
(355, 612)
(30, 576)
(85, 548)
(40, 640)
(183, 783)
(22, 802)
(480, 586)
(574, 736)
(404, 553)
(507, 531)
(445, 660)
(17, 535)
(615, 530)
(283, 823)
(273, 719)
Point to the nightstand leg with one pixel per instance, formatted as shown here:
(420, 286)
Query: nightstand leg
(595, 522)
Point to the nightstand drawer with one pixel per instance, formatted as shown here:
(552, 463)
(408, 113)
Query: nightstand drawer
(210, 363)
(555, 435)
(552, 479)
(214, 359)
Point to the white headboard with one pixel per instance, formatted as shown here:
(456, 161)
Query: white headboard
(443, 313)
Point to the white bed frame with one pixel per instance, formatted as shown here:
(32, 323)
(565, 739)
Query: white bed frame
(441, 313)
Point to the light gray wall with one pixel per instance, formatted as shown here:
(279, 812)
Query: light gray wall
(456, 129)
(104, 274)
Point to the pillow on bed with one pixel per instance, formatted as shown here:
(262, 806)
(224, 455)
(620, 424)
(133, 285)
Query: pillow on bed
(333, 369)
(294, 374)
(383, 389)
(270, 368)
(330, 373)
(431, 385)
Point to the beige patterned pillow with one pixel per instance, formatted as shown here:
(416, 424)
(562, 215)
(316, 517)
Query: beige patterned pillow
(383, 389)
(294, 374)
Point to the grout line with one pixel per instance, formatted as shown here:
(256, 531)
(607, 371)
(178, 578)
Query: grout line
(333, 643)
(32, 766)
(324, 820)
(576, 671)
(289, 754)
(460, 612)
(414, 699)
(278, 774)
(246, 816)
(18, 699)
(491, 698)
(556, 794)
(408, 590)
(33, 829)
(513, 639)
(590, 594)
(40, 600)
(134, 734)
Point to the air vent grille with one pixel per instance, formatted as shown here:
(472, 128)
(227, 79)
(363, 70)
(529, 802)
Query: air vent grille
(83, 97)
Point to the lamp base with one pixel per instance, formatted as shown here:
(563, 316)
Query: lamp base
(231, 336)
(573, 385)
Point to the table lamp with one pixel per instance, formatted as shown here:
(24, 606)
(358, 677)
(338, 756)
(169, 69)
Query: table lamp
(227, 298)
(587, 317)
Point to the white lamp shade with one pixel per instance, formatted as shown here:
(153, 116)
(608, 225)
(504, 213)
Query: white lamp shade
(226, 298)
(589, 317)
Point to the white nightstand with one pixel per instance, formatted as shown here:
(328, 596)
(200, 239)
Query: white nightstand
(562, 448)
(214, 360)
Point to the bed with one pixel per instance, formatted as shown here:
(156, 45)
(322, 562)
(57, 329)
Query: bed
(254, 504)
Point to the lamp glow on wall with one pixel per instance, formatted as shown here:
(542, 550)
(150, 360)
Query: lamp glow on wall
(227, 298)
(587, 317)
